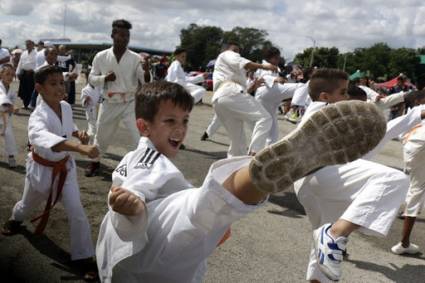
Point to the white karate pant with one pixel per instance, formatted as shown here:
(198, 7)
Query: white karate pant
(9, 139)
(237, 108)
(184, 229)
(213, 126)
(81, 243)
(91, 116)
(108, 120)
(196, 91)
(362, 192)
(270, 99)
(415, 165)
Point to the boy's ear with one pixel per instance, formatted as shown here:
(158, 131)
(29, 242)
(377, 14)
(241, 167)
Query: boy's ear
(38, 87)
(143, 127)
(324, 96)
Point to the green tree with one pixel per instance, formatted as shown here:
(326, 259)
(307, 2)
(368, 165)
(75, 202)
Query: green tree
(322, 57)
(202, 43)
(403, 60)
(252, 41)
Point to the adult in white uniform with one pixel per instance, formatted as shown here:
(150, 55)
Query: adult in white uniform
(234, 106)
(274, 90)
(119, 72)
(40, 57)
(176, 74)
(25, 73)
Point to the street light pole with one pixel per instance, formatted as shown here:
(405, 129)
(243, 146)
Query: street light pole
(312, 51)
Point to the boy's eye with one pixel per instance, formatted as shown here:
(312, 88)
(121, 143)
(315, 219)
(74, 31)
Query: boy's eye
(169, 121)
(186, 121)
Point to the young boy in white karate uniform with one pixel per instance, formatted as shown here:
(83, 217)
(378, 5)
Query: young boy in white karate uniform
(234, 106)
(159, 228)
(51, 169)
(176, 74)
(120, 72)
(361, 195)
(90, 98)
(7, 100)
(274, 90)
(414, 157)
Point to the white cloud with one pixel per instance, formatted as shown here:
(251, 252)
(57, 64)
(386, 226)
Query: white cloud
(157, 24)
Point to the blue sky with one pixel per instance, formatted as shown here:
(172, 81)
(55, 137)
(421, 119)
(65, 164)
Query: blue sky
(157, 24)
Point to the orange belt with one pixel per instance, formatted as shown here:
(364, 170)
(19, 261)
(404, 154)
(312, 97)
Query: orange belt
(59, 168)
(110, 94)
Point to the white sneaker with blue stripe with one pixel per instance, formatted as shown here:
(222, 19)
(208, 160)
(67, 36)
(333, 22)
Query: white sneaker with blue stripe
(329, 251)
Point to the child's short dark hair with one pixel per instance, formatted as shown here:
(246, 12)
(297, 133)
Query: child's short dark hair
(325, 80)
(44, 72)
(271, 52)
(6, 66)
(179, 50)
(150, 95)
(356, 93)
(121, 23)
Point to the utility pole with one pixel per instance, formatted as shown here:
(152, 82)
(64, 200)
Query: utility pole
(312, 51)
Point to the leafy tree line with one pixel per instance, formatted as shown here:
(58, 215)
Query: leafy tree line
(203, 43)
(379, 61)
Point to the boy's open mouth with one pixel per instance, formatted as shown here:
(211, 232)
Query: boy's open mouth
(174, 142)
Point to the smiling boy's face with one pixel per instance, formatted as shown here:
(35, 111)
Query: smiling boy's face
(168, 128)
(53, 89)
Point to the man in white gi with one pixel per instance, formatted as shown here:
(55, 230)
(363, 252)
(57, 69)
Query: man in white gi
(51, 169)
(360, 195)
(119, 72)
(176, 74)
(25, 73)
(234, 106)
(274, 90)
(40, 57)
(161, 229)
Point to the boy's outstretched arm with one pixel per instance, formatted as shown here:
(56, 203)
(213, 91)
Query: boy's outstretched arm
(89, 150)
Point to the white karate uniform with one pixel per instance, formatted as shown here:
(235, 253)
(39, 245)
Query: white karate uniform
(385, 102)
(214, 125)
(176, 74)
(90, 107)
(270, 95)
(301, 96)
(27, 61)
(182, 226)
(40, 58)
(414, 160)
(46, 130)
(8, 97)
(362, 192)
(118, 103)
(234, 106)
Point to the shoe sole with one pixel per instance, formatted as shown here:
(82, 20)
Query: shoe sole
(323, 268)
(336, 134)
